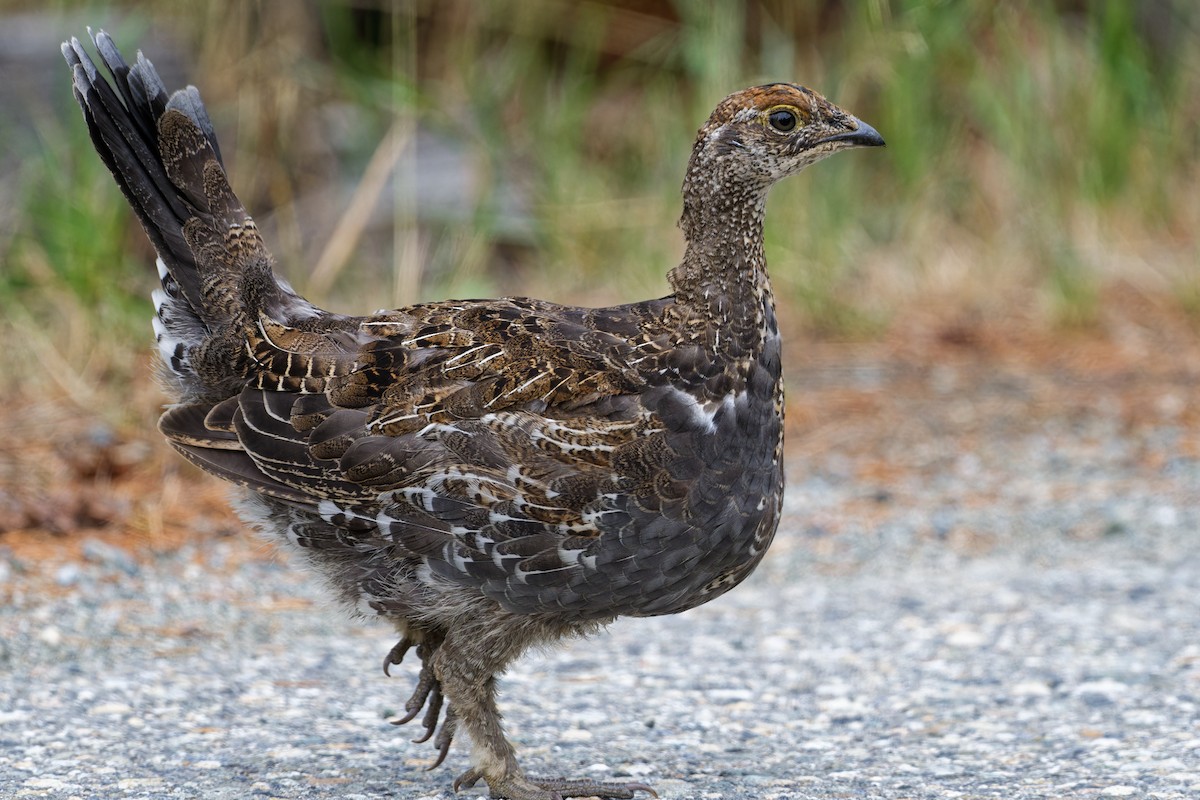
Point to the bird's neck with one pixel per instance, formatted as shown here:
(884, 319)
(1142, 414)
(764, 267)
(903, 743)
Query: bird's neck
(722, 279)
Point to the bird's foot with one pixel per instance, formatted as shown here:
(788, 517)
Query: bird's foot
(426, 695)
(527, 787)
(427, 691)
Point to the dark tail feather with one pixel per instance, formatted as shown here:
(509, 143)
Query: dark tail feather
(124, 130)
(216, 274)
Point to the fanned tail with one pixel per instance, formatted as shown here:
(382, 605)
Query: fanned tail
(215, 271)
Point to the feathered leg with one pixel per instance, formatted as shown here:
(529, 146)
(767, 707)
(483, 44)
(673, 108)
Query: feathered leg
(467, 674)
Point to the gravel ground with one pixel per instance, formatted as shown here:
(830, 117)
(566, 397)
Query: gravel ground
(1016, 620)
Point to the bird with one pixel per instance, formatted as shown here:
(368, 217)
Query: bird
(491, 475)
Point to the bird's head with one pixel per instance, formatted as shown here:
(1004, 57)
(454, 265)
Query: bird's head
(760, 135)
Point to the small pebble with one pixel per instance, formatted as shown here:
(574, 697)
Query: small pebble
(68, 574)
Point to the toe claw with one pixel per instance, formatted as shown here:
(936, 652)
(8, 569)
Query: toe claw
(467, 779)
(407, 718)
(444, 738)
(396, 655)
(443, 751)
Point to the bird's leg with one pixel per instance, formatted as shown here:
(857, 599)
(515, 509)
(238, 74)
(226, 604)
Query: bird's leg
(471, 688)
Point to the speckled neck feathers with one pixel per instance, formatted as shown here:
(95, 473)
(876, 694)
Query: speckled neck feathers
(723, 275)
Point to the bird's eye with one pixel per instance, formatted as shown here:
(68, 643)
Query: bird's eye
(782, 120)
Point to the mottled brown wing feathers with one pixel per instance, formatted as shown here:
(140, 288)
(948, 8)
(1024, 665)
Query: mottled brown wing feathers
(476, 388)
(473, 437)
(221, 453)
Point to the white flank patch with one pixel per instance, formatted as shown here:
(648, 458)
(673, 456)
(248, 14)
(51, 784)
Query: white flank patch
(577, 558)
(432, 429)
(328, 510)
(420, 496)
(701, 416)
(732, 402)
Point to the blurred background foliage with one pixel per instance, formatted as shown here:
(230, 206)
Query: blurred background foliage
(1039, 155)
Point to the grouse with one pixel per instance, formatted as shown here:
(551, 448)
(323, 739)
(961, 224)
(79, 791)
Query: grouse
(485, 475)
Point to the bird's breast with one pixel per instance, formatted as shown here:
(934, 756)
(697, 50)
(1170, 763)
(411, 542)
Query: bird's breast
(701, 519)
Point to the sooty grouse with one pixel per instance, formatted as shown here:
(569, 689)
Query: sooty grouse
(486, 475)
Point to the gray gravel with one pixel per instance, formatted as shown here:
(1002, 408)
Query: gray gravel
(1019, 621)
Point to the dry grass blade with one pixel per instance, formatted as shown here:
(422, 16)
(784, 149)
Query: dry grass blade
(353, 222)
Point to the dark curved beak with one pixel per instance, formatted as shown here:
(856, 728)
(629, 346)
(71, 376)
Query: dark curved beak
(865, 136)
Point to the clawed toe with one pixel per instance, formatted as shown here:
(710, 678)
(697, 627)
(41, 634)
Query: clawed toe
(561, 787)
(445, 736)
(395, 656)
(531, 788)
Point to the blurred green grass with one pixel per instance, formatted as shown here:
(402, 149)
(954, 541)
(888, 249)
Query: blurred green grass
(1037, 154)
